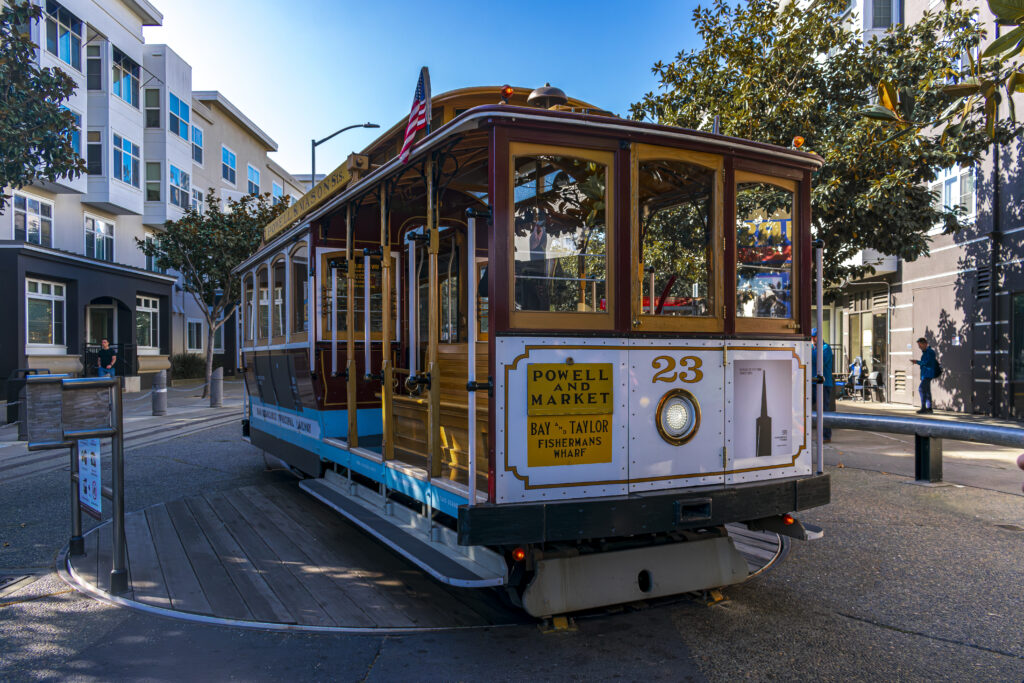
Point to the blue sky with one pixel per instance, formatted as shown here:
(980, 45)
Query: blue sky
(304, 68)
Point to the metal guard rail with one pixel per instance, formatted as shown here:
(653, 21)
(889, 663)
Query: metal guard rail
(928, 435)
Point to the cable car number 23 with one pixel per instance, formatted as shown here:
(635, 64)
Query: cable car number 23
(689, 369)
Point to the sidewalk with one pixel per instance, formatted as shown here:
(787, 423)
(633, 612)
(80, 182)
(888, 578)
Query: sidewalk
(187, 413)
(964, 462)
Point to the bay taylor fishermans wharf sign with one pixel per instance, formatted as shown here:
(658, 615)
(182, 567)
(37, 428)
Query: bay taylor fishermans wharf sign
(570, 413)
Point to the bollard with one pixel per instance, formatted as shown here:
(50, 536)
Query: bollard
(927, 459)
(22, 413)
(160, 393)
(217, 388)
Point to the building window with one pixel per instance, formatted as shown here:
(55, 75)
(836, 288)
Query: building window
(124, 78)
(884, 13)
(177, 122)
(195, 335)
(44, 304)
(254, 180)
(99, 239)
(63, 34)
(76, 134)
(147, 322)
(126, 160)
(277, 193)
(94, 153)
(33, 220)
(93, 68)
(955, 188)
(218, 338)
(227, 165)
(151, 261)
(197, 145)
(180, 188)
(152, 108)
(197, 200)
(153, 181)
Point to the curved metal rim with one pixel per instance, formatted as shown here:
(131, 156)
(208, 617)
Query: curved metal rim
(783, 551)
(72, 578)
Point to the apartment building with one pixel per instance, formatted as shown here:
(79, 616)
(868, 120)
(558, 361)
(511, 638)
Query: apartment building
(966, 297)
(68, 251)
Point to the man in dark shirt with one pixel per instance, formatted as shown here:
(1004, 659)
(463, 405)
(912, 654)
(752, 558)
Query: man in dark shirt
(107, 358)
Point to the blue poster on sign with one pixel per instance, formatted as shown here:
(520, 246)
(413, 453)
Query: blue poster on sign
(90, 484)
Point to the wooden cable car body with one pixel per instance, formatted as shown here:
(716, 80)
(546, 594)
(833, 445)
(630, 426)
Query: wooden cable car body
(555, 351)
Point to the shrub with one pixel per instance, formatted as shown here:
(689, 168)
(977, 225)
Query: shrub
(188, 366)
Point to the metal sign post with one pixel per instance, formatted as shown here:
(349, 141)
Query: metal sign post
(63, 411)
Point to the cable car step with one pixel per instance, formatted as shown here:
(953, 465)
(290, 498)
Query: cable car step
(408, 534)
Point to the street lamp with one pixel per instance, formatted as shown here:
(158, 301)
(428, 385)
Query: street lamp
(314, 143)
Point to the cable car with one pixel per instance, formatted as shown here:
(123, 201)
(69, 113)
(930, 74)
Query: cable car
(553, 351)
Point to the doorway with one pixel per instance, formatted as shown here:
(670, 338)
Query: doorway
(101, 323)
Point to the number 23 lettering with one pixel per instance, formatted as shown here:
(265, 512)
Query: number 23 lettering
(689, 369)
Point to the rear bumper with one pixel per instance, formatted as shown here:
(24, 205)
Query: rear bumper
(639, 513)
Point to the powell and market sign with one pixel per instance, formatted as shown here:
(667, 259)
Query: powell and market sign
(320, 193)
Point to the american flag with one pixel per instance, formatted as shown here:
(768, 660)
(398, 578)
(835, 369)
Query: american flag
(419, 116)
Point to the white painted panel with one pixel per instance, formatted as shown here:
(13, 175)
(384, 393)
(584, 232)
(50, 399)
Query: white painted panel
(516, 480)
(767, 410)
(657, 367)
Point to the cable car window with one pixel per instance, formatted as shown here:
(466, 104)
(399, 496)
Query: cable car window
(676, 203)
(560, 243)
(764, 250)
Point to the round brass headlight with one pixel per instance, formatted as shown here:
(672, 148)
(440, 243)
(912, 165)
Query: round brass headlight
(678, 416)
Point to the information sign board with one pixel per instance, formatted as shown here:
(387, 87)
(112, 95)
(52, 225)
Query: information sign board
(569, 409)
(90, 484)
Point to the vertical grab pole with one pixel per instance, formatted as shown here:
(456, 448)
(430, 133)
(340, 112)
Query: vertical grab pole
(118, 572)
(820, 369)
(433, 330)
(471, 354)
(311, 301)
(414, 352)
(366, 314)
(386, 370)
(334, 319)
(351, 399)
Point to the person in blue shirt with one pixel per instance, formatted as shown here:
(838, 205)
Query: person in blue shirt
(929, 364)
(830, 383)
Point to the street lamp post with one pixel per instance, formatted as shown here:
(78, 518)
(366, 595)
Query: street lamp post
(314, 143)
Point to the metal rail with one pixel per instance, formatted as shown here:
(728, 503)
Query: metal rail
(928, 435)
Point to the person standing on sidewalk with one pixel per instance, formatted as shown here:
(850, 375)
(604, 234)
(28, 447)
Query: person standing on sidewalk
(929, 365)
(830, 383)
(107, 357)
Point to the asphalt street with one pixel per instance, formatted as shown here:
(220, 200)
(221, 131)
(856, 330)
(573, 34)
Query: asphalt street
(909, 583)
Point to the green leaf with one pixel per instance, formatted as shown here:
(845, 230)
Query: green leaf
(1004, 42)
(1008, 11)
(1015, 83)
(877, 111)
(967, 87)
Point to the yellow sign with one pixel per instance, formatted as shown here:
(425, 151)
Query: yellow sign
(319, 194)
(562, 389)
(569, 440)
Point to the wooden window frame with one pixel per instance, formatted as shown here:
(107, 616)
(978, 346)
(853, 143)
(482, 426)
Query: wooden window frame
(645, 322)
(790, 325)
(560, 320)
(293, 292)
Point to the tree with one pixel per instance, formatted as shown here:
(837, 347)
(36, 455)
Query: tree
(773, 73)
(35, 130)
(206, 248)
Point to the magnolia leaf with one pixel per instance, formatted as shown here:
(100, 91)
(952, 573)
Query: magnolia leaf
(1004, 42)
(877, 111)
(1015, 83)
(907, 100)
(1008, 11)
(967, 87)
(887, 96)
